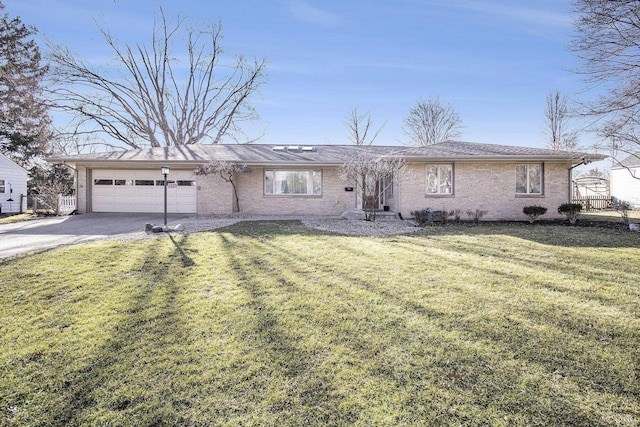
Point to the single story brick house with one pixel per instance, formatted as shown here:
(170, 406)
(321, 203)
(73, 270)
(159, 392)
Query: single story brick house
(305, 179)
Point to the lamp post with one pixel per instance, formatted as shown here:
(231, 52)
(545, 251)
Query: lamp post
(165, 172)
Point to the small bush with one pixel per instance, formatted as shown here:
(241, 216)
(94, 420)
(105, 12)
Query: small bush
(533, 212)
(445, 216)
(455, 213)
(622, 208)
(421, 217)
(571, 211)
(476, 215)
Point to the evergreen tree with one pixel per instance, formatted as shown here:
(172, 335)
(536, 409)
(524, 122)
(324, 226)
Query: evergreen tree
(24, 120)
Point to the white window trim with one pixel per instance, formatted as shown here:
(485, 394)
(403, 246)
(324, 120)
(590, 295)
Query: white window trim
(274, 170)
(530, 194)
(439, 194)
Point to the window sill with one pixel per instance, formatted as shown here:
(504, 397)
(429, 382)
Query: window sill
(439, 196)
(292, 196)
(530, 196)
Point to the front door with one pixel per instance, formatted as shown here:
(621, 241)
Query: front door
(371, 196)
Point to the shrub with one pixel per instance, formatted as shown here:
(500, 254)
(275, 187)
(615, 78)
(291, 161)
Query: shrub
(571, 211)
(622, 208)
(455, 213)
(476, 215)
(422, 216)
(533, 212)
(445, 215)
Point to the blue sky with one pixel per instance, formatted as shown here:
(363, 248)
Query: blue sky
(492, 60)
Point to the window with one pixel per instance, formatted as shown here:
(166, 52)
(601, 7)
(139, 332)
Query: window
(123, 182)
(2, 186)
(102, 182)
(144, 182)
(182, 183)
(529, 179)
(160, 182)
(439, 179)
(293, 182)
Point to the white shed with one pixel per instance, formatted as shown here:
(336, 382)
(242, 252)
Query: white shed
(625, 180)
(13, 186)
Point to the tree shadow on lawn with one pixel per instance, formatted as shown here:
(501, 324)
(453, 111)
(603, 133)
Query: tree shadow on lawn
(131, 373)
(294, 386)
(516, 366)
(550, 233)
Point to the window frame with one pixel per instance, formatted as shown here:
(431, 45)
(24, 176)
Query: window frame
(528, 186)
(312, 173)
(3, 186)
(100, 182)
(439, 183)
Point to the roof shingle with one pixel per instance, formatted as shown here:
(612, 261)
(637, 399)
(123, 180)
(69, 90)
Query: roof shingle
(321, 154)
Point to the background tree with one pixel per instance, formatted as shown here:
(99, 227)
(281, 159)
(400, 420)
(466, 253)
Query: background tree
(155, 100)
(227, 171)
(607, 41)
(557, 128)
(371, 175)
(430, 122)
(47, 183)
(24, 121)
(360, 126)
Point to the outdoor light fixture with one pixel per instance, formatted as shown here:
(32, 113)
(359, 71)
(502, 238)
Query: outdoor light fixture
(165, 172)
(10, 199)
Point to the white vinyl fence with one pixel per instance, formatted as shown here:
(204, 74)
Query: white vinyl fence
(66, 204)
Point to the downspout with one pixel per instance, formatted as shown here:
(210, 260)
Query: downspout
(583, 161)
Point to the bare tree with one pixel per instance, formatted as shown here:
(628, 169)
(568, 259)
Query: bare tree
(371, 175)
(556, 118)
(430, 122)
(607, 43)
(149, 97)
(227, 171)
(359, 126)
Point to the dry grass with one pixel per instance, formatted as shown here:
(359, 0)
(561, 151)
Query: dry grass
(269, 323)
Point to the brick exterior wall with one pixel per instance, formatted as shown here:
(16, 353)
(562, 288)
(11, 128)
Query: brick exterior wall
(489, 186)
(215, 196)
(334, 200)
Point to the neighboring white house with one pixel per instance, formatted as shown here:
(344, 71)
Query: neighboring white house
(13, 186)
(625, 180)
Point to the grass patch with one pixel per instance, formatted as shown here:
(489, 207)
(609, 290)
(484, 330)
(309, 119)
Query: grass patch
(609, 216)
(8, 219)
(270, 323)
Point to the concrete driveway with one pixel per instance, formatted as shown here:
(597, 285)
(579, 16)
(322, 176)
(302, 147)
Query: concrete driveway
(40, 234)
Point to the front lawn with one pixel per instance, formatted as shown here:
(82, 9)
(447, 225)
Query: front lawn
(272, 324)
(609, 216)
(11, 218)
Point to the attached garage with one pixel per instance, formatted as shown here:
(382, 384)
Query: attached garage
(121, 190)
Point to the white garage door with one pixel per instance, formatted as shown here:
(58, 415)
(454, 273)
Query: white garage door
(142, 191)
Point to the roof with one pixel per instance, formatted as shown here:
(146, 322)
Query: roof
(265, 154)
(633, 161)
(14, 164)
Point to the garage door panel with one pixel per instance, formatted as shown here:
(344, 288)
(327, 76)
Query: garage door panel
(122, 195)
